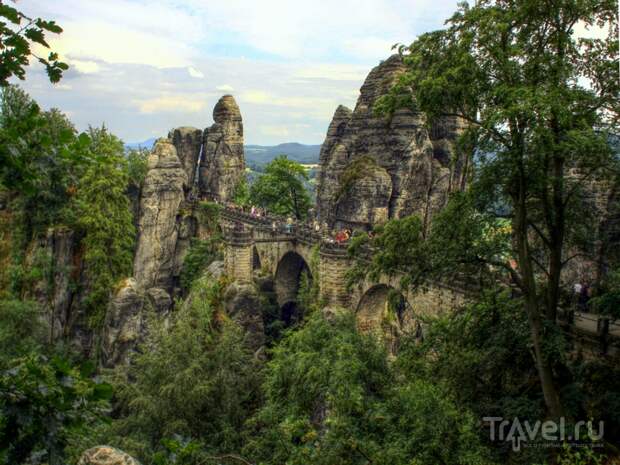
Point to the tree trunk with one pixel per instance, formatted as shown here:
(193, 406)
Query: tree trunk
(532, 308)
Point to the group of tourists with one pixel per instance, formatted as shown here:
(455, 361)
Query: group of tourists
(340, 237)
(343, 236)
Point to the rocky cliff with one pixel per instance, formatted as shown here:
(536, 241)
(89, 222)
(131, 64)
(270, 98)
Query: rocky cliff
(165, 224)
(188, 142)
(374, 168)
(161, 198)
(222, 165)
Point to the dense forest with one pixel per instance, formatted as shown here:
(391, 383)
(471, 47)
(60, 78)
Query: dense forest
(539, 151)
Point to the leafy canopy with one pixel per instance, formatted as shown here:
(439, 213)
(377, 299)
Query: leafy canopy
(103, 214)
(281, 188)
(18, 34)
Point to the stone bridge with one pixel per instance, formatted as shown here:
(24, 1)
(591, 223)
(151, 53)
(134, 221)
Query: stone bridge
(265, 243)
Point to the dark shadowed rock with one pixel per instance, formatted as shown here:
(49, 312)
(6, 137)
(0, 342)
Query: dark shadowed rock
(242, 303)
(159, 300)
(222, 165)
(188, 142)
(416, 156)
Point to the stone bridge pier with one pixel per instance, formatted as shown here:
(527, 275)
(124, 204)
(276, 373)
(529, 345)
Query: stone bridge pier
(238, 254)
(333, 265)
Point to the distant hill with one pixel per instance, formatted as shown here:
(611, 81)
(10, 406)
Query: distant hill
(147, 144)
(262, 154)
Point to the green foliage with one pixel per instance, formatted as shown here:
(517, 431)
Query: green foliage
(59, 178)
(579, 456)
(103, 214)
(21, 329)
(330, 397)
(209, 215)
(280, 189)
(44, 404)
(241, 195)
(194, 380)
(137, 165)
(40, 157)
(608, 302)
(200, 255)
(18, 33)
(308, 293)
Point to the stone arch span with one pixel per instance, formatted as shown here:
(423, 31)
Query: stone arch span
(257, 264)
(384, 311)
(288, 277)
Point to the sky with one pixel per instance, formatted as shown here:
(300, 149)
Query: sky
(143, 67)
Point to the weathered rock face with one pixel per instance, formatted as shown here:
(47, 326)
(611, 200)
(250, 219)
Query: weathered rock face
(365, 190)
(242, 303)
(106, 455)
(162, 195)
(188, 142)
(124, 323)
(222, 165)
(418, 160)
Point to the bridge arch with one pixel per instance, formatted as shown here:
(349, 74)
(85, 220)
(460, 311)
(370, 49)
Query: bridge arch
(256, 261)
(384, 311)
(288, 276)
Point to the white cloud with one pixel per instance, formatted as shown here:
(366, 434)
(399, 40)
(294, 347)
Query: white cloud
(225, 88)
(85, 66)
(144, 66)
(173, 103)
(193, 72)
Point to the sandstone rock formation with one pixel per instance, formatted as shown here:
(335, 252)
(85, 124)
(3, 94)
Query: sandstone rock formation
(242, 303)
(124, 323)
(222, 165)
(162, 195)
(419, 158)
(106, 455)
(188, 142)
(364, 195)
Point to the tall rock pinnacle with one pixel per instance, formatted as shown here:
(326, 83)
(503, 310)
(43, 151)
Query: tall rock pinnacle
(222, 165)
(374, 168)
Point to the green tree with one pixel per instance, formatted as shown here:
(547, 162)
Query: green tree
(18, 33)
(331, 397)
(281, 189)
(241, 195)
(201, 254)
(515, 71)
(137, 166)
(44, 403)
(21, 329)
(103, 215)
(194, 383)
